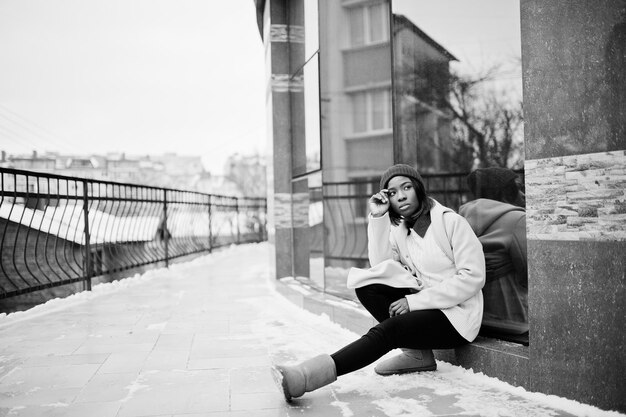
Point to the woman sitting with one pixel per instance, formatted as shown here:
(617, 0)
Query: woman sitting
(439, 306)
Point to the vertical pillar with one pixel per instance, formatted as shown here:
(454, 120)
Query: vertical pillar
(283, 37)
(574, 66)
(87, 263)
(210, 209)
(166, 231)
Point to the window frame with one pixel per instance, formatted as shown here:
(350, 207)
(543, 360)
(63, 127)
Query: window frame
(369, 110)
(367, 24)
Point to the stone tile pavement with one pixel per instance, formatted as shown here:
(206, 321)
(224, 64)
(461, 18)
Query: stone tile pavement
(198, 339)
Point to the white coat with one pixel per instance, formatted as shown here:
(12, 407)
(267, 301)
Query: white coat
(452, 284)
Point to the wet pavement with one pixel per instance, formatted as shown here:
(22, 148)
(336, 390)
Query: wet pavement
(199, 338)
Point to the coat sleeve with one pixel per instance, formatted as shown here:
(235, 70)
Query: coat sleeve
(470, 270)
(380, 246)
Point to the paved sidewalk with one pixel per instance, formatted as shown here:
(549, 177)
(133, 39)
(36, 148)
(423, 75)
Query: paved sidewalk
(198, 340)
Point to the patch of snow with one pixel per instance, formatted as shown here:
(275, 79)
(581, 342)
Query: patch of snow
(344, 407)
(157, 326)
(10, 372)
(56, 405)
(487, 382)
(468, 391)
(134, 387)
(402, 407)
(15, 409)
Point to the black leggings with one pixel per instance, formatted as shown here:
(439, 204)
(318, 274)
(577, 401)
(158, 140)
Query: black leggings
(422, 329)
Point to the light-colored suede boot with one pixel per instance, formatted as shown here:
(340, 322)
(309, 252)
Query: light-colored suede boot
(305, 377)
(410, 360)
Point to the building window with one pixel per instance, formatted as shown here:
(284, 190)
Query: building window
(369, 24)
(371, 111)
(380, 109)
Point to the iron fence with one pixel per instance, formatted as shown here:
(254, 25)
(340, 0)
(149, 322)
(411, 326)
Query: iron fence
(346, 209)
(57, 230)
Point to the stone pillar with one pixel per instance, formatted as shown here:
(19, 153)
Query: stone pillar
(573, 56)
(283, 36)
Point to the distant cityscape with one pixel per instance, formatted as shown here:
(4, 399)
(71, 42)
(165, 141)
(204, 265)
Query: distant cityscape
(168, 170)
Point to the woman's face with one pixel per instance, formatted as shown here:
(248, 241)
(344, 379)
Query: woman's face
(402, 196)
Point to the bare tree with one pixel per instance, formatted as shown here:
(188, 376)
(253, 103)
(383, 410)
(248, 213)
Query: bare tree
(248, 172)
(489, 120)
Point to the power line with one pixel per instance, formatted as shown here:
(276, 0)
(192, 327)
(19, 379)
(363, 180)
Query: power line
(13, 136)
(31, 128)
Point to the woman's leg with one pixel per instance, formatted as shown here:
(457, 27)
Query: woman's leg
(424, 329)
(377, 298)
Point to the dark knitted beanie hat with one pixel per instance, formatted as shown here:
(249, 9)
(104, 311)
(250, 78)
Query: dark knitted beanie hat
(490, 182)
(399, 169)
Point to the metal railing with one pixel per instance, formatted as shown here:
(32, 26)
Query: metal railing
(57, 230)
(346, 209)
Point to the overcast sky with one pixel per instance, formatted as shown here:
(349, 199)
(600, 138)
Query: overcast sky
(185, 76)
(140, 76)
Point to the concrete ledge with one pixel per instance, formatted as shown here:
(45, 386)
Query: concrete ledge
(506, 361)
(499, 359)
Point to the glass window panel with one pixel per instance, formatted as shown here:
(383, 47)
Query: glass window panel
(359, 109)
(377, 22)
(456, 58)
(357, 26)
(311, 28)
(305, 108)
(352, 152)
(312, 114)
(379, 109)
(458, 107)
(316, 230)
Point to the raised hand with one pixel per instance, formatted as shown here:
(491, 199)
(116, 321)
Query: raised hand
(379, 203)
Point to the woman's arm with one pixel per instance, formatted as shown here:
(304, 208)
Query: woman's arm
(470, 270)
(379, 245)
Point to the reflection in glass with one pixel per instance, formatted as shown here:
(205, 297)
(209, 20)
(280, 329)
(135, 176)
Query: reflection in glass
(368, 24)
(357, 26)
(371, 111)
(305, 131)
(356, 129)
(355, 89)
(316, 230)
(422, 88)
(461, 61)
(359, 109)
(311, 87)
(378, 22)
(312, 114)
(457, 107)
